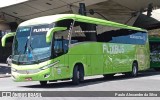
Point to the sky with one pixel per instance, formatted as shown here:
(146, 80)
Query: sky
(4, 3)
(155, 14)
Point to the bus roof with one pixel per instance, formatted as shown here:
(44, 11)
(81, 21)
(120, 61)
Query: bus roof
(54, 18)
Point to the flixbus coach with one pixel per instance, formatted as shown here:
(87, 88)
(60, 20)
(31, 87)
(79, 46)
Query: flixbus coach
(70, 46)
(154, 42)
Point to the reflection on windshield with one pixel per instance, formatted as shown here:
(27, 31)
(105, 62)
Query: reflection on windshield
(30, 44)
(61, 43)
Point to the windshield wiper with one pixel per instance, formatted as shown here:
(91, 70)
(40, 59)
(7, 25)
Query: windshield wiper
(20, 53)
(29, 49)
(19, 56)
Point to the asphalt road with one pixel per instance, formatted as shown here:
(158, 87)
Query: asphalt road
(4, 68)
(146, 81)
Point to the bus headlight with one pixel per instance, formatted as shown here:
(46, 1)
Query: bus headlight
(50, 65)
(14, 70)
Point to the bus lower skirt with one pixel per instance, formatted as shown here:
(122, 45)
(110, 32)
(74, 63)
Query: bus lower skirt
(60, 80)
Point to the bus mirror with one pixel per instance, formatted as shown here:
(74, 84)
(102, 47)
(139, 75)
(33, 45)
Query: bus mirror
(7, 36)
(50, 33)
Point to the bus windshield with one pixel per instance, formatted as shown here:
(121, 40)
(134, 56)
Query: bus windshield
(30, 44)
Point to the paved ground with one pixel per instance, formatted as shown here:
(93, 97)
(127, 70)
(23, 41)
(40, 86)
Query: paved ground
(146, 81)
(5, 70)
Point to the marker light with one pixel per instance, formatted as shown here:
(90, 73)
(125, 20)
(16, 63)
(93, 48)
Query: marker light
(28, 79)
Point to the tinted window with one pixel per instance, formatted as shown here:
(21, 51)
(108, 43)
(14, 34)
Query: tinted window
(83, 32)
(116, 35)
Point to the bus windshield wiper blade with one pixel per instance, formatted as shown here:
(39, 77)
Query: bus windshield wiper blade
(20, 53)
(31, 49)
(19, 57)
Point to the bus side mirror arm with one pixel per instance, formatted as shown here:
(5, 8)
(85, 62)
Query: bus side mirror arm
(50, 33)
(3, 40)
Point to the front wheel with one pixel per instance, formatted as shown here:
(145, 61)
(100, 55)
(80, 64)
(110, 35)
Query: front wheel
(75, 79)
(78, 75)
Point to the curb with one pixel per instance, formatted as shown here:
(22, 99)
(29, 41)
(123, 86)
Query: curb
(5, 75)
(4, 64)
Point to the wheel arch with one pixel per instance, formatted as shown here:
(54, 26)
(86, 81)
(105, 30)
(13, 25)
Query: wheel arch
(135, 61)
(80, 65)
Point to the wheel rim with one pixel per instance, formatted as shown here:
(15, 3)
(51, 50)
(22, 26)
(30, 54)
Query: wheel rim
(78, 74)
(134, 70)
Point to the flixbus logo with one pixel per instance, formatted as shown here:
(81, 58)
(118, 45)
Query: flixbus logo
(113, 49)
(41, 30)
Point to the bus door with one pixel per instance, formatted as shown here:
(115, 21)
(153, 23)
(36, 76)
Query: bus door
(60, 55)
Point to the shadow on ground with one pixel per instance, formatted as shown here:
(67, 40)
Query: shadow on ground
(68, 84)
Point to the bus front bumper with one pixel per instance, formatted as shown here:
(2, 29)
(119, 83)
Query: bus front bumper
(32, 75)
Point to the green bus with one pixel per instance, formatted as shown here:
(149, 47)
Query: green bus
(154, 42)
(70, 46)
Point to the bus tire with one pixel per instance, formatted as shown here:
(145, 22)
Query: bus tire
(43, 83)
(81, 74)
(134, 72)
(78, 75)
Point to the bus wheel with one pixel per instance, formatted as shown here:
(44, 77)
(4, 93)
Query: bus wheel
(81, 74)
(77, 75)
(134, 72)
(43, 83)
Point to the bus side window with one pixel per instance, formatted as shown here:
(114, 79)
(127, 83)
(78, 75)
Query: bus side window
(117, 35)
(83, 32)
(105, 33)
(61, 38)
